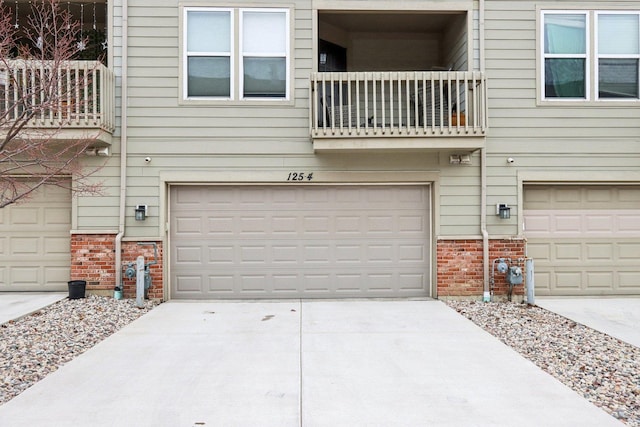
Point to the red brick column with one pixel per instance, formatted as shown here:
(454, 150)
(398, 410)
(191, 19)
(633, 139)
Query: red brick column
(93, 259)
(459, 270)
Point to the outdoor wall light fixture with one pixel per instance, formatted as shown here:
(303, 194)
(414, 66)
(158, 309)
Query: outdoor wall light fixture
(503, 211)
(459, 159)
(141, 212)
(97, 151)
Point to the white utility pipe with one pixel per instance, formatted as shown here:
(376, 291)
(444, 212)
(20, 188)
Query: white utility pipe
(124, 100)
(140, 281)
(486, 296)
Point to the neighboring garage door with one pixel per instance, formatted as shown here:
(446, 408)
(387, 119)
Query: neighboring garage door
(299, 241)
(585, 240)
(35, 252)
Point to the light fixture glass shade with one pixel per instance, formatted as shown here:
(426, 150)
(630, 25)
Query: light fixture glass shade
(141, 212)
(505, 212)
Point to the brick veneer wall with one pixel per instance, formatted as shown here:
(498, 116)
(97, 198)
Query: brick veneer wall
(93, 260)
(130, 252)
(460, 268)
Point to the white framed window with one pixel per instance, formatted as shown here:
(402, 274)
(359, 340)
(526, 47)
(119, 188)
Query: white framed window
(263, 48)
(208, 53)
(581, 64)
(565, 56)
(236, 53)
(618, 55)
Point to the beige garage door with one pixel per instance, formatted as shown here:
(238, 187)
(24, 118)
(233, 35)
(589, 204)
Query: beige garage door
(35, 242)
(585, 240)
(299, 241)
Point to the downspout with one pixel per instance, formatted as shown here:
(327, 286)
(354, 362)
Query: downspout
(123, 143)
(486, 296)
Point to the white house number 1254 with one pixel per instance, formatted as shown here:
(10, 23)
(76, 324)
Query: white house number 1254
(300, 176)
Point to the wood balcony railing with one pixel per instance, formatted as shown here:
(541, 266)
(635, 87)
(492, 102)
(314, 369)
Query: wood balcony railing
(63, 95)
(423, 104)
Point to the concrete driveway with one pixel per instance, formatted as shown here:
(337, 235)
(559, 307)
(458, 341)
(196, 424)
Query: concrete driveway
(617, 317)
(14, 305)
(294, 363)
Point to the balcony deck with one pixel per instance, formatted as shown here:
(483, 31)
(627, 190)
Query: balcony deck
(83, 106)
(424, 110)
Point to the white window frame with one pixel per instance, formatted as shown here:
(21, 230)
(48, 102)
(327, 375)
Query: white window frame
(187, 54)
(274, 54)
(597, 55)
(585, 56)
(236, 57)
(591, 56)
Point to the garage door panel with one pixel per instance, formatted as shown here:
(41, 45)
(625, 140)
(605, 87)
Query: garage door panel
(25, 246)
(284, 225)
(540, 251)
(410, 281)
(599, 280)
(380, 281)
(412, 253)
(580, 245)
(188, 225)
(220, 283)
(568, 280)
(380, 254)
(285, 282)
(285, 254)
(219, 226)
(188, 283)
(628, 279)
(25, 216)
(316, 225)
(317, 282)
(628, 252)
(348, 282)
(603, 252)
(542, 280)
(188, 255)
(412, 224)
(56, 217)
(629, 224)
(56, 245)
(567, 223)
(301, 242)
(25, 275)
(348, 253)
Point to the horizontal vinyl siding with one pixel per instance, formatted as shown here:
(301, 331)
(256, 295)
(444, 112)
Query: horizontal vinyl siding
(155, 85)
(100, 211)
(511, 69)
(560, 137)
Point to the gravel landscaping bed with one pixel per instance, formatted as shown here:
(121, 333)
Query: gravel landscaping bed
(602, 369)
(36, 345)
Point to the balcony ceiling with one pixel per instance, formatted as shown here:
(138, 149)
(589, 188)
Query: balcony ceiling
(388, 21)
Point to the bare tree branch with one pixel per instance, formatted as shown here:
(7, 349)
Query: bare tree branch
(42, 90)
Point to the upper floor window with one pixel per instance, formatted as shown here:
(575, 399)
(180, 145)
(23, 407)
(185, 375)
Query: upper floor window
(569, 46)
(236, 53)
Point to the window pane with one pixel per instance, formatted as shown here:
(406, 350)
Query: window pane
(618, 34)
(265, 77)
(208, 31)
(264, 32)
(209, 76)
(565, 33)
(564, 78)
(618, 78)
